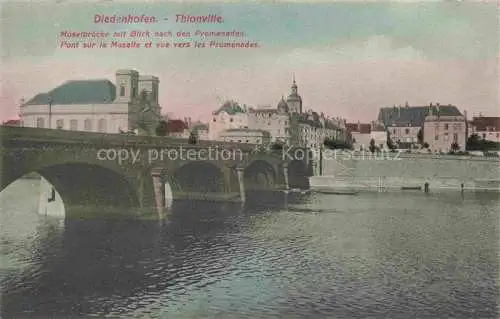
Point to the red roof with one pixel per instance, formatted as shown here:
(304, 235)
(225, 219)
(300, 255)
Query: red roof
(363, 128)
(176, 126)
(484, 123)
(12, 122)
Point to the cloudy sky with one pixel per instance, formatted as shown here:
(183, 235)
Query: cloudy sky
(349, 59)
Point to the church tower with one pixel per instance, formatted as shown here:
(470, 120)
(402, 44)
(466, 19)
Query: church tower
(294, 100)
(127, 82)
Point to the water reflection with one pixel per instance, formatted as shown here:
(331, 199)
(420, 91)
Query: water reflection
(378, 256)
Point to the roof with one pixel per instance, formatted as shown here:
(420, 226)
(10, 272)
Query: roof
(330, 125)
(176, 126)
(378, 127)
(231, 108)
(484, 122)
(413, 115)
(311, 119)
(294, 97)
(282, 105)
(78, 92)
(12, 123)
(362, 128)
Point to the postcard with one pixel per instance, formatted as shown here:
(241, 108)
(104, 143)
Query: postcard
(263, 159)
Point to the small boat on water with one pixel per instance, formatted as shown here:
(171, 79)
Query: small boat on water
(410, 188)
(297, 190)
(336, 191)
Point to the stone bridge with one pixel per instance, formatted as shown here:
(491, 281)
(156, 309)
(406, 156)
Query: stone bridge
(126, 173)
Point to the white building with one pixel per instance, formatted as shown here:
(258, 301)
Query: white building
(363, 133)
(310, 129)
(287, 123)
(441, 131)
(276, 121)
(229, 116)
(246, 135)
(98, 105)
(486, 127)
(406, 123)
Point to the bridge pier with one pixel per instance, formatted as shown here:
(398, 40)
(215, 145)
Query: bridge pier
(159, 192)
(241, 183)
(285, 172)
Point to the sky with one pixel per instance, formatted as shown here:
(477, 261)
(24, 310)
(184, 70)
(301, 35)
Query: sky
(349, 58)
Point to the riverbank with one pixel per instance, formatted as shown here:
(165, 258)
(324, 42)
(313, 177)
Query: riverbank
(410, 172)
(396, 184)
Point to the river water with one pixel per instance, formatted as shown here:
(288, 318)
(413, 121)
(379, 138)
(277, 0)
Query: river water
(377, 255)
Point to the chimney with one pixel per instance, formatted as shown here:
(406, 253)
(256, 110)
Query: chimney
(406, 104)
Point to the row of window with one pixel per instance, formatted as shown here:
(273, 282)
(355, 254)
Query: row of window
(134, 92)
(73, 124)
(285, 123)
(447, 126)
(490, 129)
(247, 141)
(231, 120)
(407, 131)
(446, 137)
(484, 134)
(122, 90)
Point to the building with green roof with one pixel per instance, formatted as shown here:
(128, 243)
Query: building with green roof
(97, 105)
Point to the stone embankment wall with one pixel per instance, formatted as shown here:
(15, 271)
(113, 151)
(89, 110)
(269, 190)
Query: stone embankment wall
(394, 172)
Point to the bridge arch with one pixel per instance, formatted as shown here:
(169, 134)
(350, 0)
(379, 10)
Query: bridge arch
(83, 186)
(196, 177)
(259, 174)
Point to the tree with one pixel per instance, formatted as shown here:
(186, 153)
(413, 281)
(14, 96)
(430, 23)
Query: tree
(372, 146)
(336, 144)
(454, 147)
(420, 137)
(142, 127)
(161, 128)
(475, 143)
(425, 145)
(193, 137)
(277, 145)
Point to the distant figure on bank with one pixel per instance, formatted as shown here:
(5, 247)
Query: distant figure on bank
(193, 138)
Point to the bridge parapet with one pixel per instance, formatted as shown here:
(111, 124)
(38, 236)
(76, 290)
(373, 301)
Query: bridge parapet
(51, 136)
(76, 161)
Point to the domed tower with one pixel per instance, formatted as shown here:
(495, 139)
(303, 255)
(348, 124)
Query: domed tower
(294, 100)
(283, 106)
